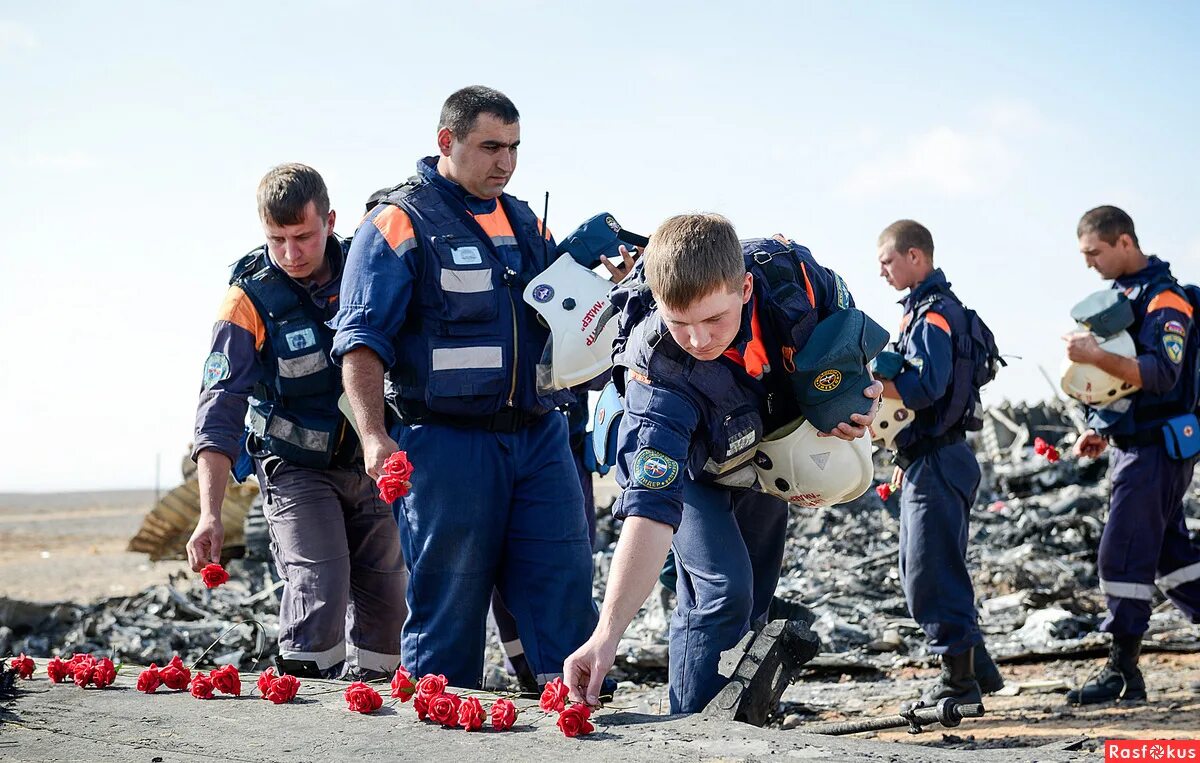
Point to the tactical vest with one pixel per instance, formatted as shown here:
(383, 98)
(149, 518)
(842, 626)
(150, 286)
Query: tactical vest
(469, 344)
(736, 410)
(293, 412)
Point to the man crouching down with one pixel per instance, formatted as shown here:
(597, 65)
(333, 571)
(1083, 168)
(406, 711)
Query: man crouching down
(704, 357)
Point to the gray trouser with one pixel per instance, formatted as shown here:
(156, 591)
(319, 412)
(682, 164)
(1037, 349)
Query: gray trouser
(337, 548)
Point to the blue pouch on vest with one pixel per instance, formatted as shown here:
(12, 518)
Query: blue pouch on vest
(609, 410)
(244, 466)
(1182, 436)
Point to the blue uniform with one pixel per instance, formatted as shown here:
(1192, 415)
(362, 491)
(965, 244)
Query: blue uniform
(683, 458)
(433, 286)
(941, 475)
(1145, 541)
(332, 537)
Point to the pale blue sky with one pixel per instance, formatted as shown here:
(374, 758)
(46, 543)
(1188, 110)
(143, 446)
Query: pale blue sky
(132, 136)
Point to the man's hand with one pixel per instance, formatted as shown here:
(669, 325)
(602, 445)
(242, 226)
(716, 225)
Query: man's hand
(204, 547)
(584, 670)
(376, 449)
(859, 422)
(897, 478)
(617, 273)
(1082, 347)
(1090, 445)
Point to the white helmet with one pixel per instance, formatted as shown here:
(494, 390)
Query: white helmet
(892, 417)
(573, 301)
(1093, 387)
(794, 464)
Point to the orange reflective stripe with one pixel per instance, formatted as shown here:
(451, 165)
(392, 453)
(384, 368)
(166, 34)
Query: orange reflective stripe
(1169, 299)
(239, 310)
(495, 224)
(755, 359)
(812, 299)
(637, 376)
(938, 321)
(907, 319)
(396, 228)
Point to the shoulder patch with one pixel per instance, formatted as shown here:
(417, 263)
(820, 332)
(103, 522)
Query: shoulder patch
(653, 469)
(216, 369)
(1173, 344)
(843, 293)
(1174, 327)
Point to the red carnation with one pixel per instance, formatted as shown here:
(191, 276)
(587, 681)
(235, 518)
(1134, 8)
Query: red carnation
(214, 575)
(226, 680)
(504, 714)
(23, 665)
(1040, 446)
(421, 707)
(362, 698)
(470, 714)
(574, 721)
(264, 681)
(283, 689)
(57, 670)
(149, 679)
(443, 709)
(104, 673)
(75, 661)
(85, 672)
(554, 696)
(431, 686)
(402, 686)
(884, 490)
(202, 687)
(174, 675)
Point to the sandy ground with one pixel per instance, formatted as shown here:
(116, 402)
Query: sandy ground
(71, 547)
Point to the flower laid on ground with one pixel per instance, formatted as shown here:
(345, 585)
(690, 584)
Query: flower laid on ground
(574, 721)
(421, 707)
(282, 689)
(554, 696)
(393, 483)
(103, 674)
(57, 669)
(226, 680)
(264, 681)
(470, 714)
(403, 687)
(362, 698)
(84, 672)
(504, 714)
(214, 575)
(884, 491)
(175, 675)
(202, 686)
(431, 686)
(23, 665)
(149, 679)
(443, 709)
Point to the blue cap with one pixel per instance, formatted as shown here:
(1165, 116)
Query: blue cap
(1104, 313)
(831, 369)
(600, 235)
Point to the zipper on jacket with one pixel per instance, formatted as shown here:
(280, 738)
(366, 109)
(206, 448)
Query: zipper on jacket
(509, 275)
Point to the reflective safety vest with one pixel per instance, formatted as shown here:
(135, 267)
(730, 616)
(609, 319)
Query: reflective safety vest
(293, 411)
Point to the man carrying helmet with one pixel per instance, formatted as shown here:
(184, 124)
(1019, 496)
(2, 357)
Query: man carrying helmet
(706, 368)
(1145, 543)
(932, 373)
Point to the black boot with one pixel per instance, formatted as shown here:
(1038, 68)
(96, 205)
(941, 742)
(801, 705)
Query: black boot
(986, 672)
(957, 680)
(1120, 678)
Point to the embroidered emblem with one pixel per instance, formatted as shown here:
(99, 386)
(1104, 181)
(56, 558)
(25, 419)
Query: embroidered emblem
(216, 368)
(1174, 327)
(611, 223)
(654, 470)
(828, 381)
(543, 293)
(917, 362)
(300, 340)
(1173, 344)
(843, 294)
(466, 255)
(1187, 431)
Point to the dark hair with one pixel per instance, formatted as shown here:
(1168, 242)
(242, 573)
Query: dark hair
(1107, 222)
(285, 191)
(463, 107)
(908, 234)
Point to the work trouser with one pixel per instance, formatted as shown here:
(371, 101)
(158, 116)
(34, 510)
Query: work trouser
(935, 510)
(338, 552)
(493, 510)
(728, 554)
(1145, 540)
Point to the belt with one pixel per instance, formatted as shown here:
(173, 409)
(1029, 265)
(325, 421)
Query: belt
(926, 445)
(506, 419)
(1152, 436)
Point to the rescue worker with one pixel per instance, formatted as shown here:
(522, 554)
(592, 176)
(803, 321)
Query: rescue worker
(433, 296)
(333, 538)
(1145, 542)
(935, 467)
(695, 364)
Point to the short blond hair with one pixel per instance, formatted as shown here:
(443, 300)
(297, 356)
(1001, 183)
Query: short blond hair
(690, 257)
